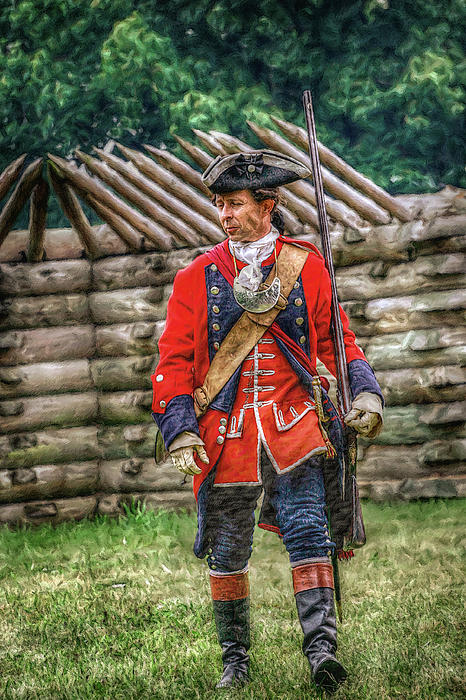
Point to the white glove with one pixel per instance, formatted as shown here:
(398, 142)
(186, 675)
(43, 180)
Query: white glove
(183, 458)
(365, 415)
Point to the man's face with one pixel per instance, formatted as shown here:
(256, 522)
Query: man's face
(242, 218)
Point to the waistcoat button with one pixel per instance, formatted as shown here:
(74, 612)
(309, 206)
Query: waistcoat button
(214, 268)
(298, 302)
(216, 345)
(302, 340)
(215, 326)
(214, 290)
(215, 309)
(299, 321)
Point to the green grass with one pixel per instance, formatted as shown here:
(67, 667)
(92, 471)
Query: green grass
(121, 609)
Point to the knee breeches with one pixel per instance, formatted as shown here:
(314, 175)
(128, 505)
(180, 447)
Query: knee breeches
(298, 498)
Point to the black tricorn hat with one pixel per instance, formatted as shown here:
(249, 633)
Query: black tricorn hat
(252, 171)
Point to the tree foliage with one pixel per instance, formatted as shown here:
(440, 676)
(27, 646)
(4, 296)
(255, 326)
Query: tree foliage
(386, 77)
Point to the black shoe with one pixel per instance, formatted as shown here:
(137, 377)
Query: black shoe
(316, 611)
(232, 622)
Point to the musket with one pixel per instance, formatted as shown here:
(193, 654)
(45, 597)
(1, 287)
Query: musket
(353, 534)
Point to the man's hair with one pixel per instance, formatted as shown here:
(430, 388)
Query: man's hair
(262, 193)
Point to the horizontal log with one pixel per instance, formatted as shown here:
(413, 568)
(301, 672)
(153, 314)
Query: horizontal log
(366, 207)
(37, 220)
(152, 269)
(46, 345)
(57, 511)
(413, 489)
(117, 373)
(148, 303)
(449, 200)
(407, 425)
(30, 413)
(125, 406)
(345, 171)
(435, 458)
(47, 481)
(379, 279)
(135, 474)
(112, 504)
(61, 277)
(128, 339)
(422, 385)
(422, 348)
(50, 310)
(123, 441)
(9, 175)
(63, 244)
(416, 312)
(393, 242)
(49, 446)
(45, 378)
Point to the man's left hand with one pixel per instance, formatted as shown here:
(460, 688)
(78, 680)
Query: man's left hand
(365, 415)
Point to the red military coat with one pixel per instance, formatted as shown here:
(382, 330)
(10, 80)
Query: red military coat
(200, 312)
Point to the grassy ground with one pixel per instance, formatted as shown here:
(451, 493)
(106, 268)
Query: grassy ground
(121, 609)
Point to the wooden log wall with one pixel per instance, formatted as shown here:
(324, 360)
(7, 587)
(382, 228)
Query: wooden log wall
(79, 332)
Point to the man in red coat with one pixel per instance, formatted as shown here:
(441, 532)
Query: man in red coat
(270, 425)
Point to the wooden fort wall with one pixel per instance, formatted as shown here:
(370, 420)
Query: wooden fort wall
(78, 343)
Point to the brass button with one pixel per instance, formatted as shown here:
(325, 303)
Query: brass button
(214, 268)
(251, 168)
(215, 309)
(214, 290)
(210, 550)
(298, 302)
(216, 345)
(222, 429)
(302, 340)
(223, 421)
(296, 285)
(215, 326)
(159, 378)
(213, 558)
(163, 404)
(299, 321)
(220, 439)
(213, 566)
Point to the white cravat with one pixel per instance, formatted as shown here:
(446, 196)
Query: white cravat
(251, 252)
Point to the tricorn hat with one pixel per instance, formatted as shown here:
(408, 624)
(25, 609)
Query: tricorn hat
(251, 171)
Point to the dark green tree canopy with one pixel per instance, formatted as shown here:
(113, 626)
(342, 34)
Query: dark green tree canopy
(385, 76)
